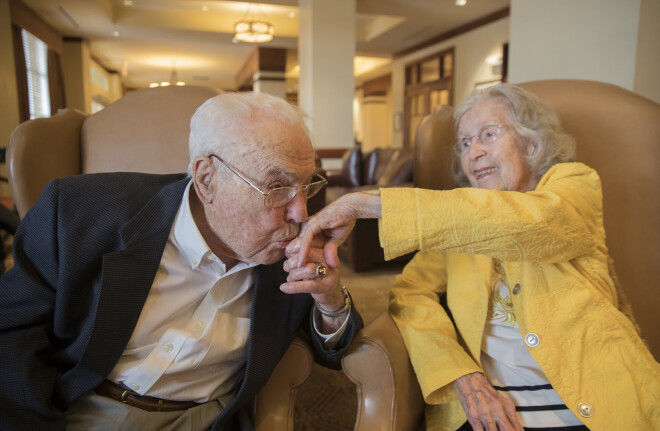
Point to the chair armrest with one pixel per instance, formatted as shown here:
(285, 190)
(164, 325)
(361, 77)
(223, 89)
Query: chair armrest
(389, 397)
(274, 404)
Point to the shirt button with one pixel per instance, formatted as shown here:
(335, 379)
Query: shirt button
(168, 347)
(198, 325)
(135, 387)
(194, 261)
(531, 339)
(585, 410)
(516, 289)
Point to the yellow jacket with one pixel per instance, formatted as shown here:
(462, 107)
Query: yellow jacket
(553, 243)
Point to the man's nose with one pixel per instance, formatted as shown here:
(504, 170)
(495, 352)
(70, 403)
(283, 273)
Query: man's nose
(296, 209)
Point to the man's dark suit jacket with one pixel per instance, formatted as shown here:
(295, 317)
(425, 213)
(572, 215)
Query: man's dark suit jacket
(85, 257)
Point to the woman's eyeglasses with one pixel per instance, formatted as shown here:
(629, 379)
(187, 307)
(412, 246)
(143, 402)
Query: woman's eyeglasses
(487, 135)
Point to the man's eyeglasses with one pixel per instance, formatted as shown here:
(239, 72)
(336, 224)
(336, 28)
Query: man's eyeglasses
(487, 135)
(280, 196)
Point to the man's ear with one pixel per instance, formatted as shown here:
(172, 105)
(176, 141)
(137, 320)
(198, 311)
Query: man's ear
(202, 176)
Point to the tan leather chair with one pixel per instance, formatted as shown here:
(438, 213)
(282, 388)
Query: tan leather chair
(618, 134)
(144, 131)
(389, 397)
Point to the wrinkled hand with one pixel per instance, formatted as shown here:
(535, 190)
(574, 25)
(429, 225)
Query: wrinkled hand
(302, 279)
(333, 224)
(485, 408)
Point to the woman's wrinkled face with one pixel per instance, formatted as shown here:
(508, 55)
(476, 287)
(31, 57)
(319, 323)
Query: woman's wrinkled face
(496, 164)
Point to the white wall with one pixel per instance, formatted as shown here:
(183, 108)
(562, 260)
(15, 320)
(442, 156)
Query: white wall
(647, 64)
(470, 52)
(568, 39)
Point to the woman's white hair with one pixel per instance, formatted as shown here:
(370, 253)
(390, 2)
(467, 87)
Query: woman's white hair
(531, 119)
(226, 120)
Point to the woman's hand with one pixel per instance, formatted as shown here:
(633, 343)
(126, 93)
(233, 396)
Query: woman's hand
(333, 223)
(485, 408)
(325, 288)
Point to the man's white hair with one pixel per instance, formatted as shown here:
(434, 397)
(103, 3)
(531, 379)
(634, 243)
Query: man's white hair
(224, 120)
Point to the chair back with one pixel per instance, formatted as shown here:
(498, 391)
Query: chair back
(434, 144)
(617, 133)
(144, 131)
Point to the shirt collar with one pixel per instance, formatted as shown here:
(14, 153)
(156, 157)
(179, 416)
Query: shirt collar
(190, 240)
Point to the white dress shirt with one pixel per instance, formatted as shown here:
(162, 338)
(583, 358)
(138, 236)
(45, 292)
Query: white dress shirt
(190, 342)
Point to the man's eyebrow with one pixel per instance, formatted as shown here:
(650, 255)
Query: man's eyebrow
(275, 174)
(280, 174)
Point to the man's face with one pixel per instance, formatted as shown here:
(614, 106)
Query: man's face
(280, 155)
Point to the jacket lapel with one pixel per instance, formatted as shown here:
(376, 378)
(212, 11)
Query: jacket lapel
(126, 279)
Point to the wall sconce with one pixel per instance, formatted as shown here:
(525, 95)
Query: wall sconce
(495, 63)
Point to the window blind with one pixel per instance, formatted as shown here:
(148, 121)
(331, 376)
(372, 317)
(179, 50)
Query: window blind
(36, 63)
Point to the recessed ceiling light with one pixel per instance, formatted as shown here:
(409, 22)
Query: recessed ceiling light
(461, 2)
(205, 8)
(115, 33)
(292, 14)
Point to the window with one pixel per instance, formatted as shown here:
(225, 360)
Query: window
(36, 63)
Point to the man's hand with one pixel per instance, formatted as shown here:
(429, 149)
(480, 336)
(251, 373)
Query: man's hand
(333, 224)
(326, 290)
(485, 408)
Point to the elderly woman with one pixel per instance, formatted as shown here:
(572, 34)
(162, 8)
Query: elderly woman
(534, 332)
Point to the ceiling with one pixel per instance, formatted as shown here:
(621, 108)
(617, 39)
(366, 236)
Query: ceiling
(145, 39)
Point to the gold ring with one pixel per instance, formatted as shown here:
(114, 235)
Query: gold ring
(321, 270)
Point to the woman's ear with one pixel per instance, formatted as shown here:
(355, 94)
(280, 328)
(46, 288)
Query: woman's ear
(530, 148)
(202, 176)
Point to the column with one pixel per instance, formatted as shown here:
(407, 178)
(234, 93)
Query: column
(326, 48)
(270, 82)
(263, 71)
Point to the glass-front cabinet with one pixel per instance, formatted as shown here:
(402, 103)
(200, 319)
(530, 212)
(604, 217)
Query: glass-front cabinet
(429, 83)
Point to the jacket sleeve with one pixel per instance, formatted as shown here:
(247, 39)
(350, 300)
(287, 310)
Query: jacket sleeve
(332, 358)
(558, 221)
(27, 301)
(427, 330)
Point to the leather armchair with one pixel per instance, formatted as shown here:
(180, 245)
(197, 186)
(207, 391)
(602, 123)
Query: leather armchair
(389, 397)
(145, 131)
(618, 134)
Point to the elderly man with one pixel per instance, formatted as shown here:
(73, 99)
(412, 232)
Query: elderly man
(157, 302)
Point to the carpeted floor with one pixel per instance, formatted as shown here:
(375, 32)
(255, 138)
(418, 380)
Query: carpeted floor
(327, 401)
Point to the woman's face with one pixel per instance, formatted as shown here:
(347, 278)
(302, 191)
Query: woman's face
(497, 164)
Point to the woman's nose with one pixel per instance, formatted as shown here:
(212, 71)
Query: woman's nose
(476, 149)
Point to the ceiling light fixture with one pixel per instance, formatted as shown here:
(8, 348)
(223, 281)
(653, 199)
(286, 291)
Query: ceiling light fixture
(461, 2)
(174, 79)
(252, 28)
